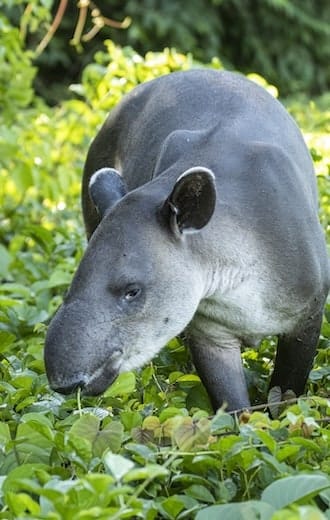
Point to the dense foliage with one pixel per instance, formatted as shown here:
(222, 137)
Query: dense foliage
(149, 447)
(273, 37)
(286, 41)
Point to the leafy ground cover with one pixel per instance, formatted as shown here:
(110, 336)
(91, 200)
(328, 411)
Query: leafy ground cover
(149, 447)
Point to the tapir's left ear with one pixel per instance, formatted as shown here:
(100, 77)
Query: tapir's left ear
(192, 201)
(106, 187)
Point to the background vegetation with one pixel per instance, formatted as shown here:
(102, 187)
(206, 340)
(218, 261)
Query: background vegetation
(286, 41)
(149, 447)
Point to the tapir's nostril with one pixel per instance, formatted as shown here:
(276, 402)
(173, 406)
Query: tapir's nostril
(70, 388)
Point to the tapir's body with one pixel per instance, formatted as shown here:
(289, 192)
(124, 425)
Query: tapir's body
(210, 226)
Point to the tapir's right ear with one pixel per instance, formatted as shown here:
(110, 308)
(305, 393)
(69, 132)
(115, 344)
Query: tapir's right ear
(106, 187)
(192, 201)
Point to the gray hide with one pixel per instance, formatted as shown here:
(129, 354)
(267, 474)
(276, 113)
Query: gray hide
(200, 203)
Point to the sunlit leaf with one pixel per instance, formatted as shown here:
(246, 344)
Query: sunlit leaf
(124, 384)
(288, 490)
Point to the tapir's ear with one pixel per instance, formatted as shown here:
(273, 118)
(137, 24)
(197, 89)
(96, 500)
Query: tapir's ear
(192, 201)
(106, 187)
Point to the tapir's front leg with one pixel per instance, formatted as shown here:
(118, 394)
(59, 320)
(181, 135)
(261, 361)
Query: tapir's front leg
(221, 371)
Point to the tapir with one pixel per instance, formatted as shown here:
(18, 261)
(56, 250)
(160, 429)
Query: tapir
(200, 206)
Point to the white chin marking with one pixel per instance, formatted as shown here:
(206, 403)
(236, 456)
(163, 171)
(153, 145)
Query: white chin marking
(137, 359)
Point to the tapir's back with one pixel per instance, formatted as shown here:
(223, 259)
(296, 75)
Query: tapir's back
(224, 107)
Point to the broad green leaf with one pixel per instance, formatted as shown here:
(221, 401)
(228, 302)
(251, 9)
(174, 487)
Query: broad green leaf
(289, 490)
(187, 434)
(6, 340)
(130, 419)
(83, 447)
(117, 465)
(169, 412)
(188, 378)
(200, 493)
(251, 510)
(36, 417)
(87, 427)
(5, 260)
(21, 503)
(299, 513)
(149, 471)
(286, 452)
(280, 467)
(124, 384)
(100, 482)
(172, 506)
(197, 397)
(12, 482)
(267, 440)
(59, 277)
(109, 438)
(15, 289)
(222, 422)
(4, 434)
(32, 446)
(142, 453)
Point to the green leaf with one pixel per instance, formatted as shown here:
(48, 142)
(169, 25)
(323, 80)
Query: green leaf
(141, 453)
(117, 465)
(6, 340)
(250, 510)
(110, 437)
(222, 422)
(4, 433)
(130, 419)
(12, 482)
(171, 507)
(83, 447)
(149, 471)
(289, 490)
(171, 411)
(21, 503)
(124, 384)
(59, 278)
(188, 378)
(87, 427)
(197, 397)
(200, 493)
(45, 430)
(268, 440)
(299, 513)
(286, 452)
(5, 260)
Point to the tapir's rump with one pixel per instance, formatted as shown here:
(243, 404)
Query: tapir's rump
(200, 205)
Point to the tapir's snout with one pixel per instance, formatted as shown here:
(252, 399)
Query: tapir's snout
(67, 382)
(93, 386)
(71, 363)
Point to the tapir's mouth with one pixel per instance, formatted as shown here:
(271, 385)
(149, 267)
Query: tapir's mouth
(99, 382)
(103, 376)
(94, 384)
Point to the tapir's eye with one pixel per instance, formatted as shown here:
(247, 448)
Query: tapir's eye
(132, 291)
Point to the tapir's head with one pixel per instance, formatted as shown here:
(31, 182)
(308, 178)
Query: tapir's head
(138, 284)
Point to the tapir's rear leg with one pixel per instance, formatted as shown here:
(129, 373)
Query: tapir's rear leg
(221, 371)
(295, 354)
